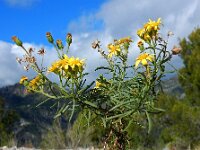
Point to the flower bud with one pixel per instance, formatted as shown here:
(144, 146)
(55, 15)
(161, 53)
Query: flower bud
(59, 44)
(176, 50)
(69, 39)
(23, 80)
(126, 45)
(141, 45)
(49, 37)
(17, 41)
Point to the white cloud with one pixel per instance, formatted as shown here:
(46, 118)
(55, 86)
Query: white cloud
(20, 3)
(123, 18)
(10, 70)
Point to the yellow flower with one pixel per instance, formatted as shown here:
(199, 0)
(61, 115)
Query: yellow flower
(98, 84)
(54, 67)
(35, 83)
(124, 40)
(141, 32)
(152, 25)
(67, 66)
(76, 64)
(113, 50)
(23, 78)
(149, 30)
(143, 59)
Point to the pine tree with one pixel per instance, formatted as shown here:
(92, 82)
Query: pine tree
(190, 78)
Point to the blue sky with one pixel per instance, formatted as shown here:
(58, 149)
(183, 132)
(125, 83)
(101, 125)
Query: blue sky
(31, 19)
(87, 20)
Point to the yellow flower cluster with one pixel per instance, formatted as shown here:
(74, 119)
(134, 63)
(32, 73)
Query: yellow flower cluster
(143, 59)
(125, 40)
(67, 67)
(36, 82)
(149, 30)
(98, 84)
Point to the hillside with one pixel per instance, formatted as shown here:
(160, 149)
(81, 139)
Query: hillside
(32, 122)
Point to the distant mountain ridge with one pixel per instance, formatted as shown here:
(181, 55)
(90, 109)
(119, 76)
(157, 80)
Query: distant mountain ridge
(33, 121)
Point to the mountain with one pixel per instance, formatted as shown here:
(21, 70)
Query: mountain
(172, 87)
(32, 122)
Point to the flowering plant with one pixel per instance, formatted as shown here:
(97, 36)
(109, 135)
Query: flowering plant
(129, 92)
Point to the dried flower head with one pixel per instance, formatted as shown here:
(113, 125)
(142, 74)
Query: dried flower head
(41, 51)
(32, 60)
(96, 44)
(19, 60)
(170, 33)
(26, 68)
(176, 50)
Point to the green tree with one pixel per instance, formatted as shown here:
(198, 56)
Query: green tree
(7, 121)
(190, 73)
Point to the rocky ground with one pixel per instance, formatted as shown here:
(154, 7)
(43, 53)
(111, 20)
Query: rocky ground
(25, 148)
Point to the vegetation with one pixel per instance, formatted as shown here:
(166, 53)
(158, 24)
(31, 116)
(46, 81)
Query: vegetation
(190, 78)
(178, 126)
(7, 122)
(113, 100)
(123, 111)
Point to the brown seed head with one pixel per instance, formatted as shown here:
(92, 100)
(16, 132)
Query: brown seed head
(30, 50)
(41, 51)
(96, 44)
(176, 50)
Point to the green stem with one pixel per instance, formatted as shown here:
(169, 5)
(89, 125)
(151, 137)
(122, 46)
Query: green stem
(57, 50)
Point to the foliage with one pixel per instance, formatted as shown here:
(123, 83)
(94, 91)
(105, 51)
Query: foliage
(190, 78)
(55, 138)
(113, 100)
(7, 121)
(83, 127)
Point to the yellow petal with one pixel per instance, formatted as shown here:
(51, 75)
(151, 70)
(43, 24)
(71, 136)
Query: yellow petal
(144, 62)
(137, 63)
(150, 58)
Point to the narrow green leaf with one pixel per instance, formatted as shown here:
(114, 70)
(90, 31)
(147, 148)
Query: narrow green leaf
(120, 115)
(149, 122)
(121, 104)
(90, 103)
(43, 102)
(104, 122)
